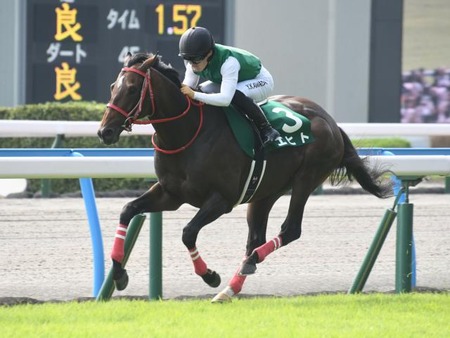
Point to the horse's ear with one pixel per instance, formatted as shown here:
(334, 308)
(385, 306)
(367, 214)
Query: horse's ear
(149, 62)
(127, 58)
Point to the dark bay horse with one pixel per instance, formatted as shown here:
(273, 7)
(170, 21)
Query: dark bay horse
(199, 162)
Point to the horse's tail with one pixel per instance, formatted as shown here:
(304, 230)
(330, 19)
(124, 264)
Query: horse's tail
(370, 179)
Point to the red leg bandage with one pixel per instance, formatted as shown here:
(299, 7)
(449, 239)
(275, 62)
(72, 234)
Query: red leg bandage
(118, 250)
(199, 265)
(236, 283)
(267, 248)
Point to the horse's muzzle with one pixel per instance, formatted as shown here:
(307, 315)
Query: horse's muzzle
(108, 135)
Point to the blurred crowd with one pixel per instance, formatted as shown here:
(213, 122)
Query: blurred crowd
(425, 96)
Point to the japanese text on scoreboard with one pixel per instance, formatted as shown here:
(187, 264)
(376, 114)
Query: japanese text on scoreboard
(75, 48)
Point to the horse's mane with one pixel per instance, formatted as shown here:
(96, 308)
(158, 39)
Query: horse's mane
(165, 69)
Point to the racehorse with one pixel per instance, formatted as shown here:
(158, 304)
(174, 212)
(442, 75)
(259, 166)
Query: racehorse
(198, 161)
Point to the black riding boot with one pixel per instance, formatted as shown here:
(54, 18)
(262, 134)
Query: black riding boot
(254, 112)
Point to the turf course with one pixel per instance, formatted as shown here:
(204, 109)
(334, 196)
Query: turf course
(426, 28)
(339, 315)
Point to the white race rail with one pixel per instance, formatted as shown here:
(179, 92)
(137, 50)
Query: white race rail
(143, 166)
(77, 167)
(30, 128)
(413, 165)
(395, 129)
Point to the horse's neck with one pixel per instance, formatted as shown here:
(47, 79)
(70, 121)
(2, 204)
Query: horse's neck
(171, 103)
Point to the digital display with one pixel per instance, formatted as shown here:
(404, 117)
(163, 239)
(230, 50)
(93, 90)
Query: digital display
(75, 48)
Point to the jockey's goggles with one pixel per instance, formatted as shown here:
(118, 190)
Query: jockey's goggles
(194, 59)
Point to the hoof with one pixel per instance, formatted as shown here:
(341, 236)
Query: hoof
(122, 281)
(221, 298)
(211, 278)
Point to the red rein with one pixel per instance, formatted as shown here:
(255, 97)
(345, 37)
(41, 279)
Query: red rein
(133, 115)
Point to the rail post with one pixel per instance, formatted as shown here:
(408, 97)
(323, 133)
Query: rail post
(155, 268)
(374, 250)
(88, 193)
(375, 247)
(404, 248)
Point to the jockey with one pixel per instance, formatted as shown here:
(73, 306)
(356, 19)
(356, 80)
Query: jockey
(234, 76)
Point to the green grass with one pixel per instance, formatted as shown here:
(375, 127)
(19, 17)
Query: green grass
(375, 315)
(426, 29)
(387, 142)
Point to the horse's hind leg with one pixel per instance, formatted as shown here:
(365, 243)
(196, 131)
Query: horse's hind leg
(257, 217)
(153, 200)
(212, 209)
(291, 227)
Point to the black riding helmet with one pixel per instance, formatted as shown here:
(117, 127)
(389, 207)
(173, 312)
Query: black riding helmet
(195, 43)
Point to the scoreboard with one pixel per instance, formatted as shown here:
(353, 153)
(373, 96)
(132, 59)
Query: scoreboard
(75, 48)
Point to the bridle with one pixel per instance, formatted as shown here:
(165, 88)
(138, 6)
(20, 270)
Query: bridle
(132, 117)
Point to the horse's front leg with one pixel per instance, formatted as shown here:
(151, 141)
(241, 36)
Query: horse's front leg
(212, 209)
(153, 200)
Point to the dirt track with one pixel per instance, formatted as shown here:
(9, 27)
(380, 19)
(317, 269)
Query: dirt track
(46, 253)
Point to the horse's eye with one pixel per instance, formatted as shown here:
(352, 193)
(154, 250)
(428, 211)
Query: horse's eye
(132, 90)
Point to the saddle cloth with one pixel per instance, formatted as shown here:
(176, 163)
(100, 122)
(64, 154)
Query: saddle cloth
(295, 129)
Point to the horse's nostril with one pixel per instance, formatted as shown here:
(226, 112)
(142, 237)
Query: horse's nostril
(107, 135)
